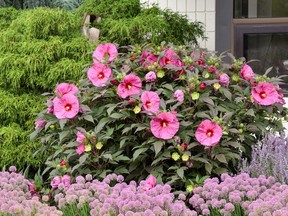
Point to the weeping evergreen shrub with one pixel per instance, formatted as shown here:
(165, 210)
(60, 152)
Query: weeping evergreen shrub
(38, 48)
(129, 22)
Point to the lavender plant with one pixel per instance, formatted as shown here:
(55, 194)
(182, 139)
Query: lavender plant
(113, 196)
(269, 158)
(16, 199)
(241, 195)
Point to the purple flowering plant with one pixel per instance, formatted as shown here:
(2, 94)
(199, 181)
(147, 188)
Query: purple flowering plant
(175, 112)
(269, 158)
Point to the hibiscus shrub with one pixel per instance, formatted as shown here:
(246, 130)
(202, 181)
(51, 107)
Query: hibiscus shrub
(178, 113)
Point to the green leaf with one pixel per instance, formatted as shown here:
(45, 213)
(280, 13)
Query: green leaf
(63, 134)
(121, 170)
(101, 124)
(227, 116)
(138, 152)
(221, 158)
(116, 115)
(226, 93)
(202, 115)
(34, 134)
(82, 159)
(108, 156)
(180, 172)
(122, 158)
(158, 146)
(250, 112)
(207, 100)
(88, 118)
(208, 167)
(111, 108)
(62, 123)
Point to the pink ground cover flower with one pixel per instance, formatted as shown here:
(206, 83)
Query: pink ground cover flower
(148, 58)
(99, 74)
(66, 107)
(179, 95)
(265, 94)
(55, 182)
(224, 80)
(80, 149)
(150, 182)
(208, 133)
(104, 52)
(80, 137)
(65, 88)
(247, 73)
(150, 76)
(151, 101)
(164, 126)
(131, 85)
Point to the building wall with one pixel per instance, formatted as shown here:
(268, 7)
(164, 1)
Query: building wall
(196, 10)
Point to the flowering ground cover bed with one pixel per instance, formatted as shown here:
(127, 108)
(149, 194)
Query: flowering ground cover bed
(238, 195)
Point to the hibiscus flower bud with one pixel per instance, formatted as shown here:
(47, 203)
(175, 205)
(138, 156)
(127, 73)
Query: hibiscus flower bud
(63, 163)
(184, 145)
(160, 74)
(216, 86)
(136, 109)
(88, 148)
(189, 188)
(195, 96)
(202, 86)
(189, 164)
(150, 76)
(185, 157)
(114, 82)
(99, 145)
(175, 156)
(212, 70)
(92, 139)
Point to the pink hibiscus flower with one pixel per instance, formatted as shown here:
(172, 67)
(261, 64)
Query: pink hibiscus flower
(224, 80)
(80, 137)
(179, 95)
(151, 101)
(80, 149)
(65, 88)
(150, 76)
(265, 94)
(247, 73)
(148, 58)
(170, 57)
(55, 182)
(150, 182)
(66, 107)
(164, 126)
(66, 180)
(40, 124)
(208, 133)
(105, 52)
(99, 74)
(131, 85)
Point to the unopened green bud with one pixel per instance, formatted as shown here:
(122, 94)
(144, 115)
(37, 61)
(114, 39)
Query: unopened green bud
(175, 156)
(195, 96)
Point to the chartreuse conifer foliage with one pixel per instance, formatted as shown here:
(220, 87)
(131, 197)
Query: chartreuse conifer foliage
(38, 48)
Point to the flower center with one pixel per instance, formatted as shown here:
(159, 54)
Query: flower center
(263, 95)
(164, 124)
(209, 133)
(68, 107)
(148, 104)
(128, 86)
(101, 75)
